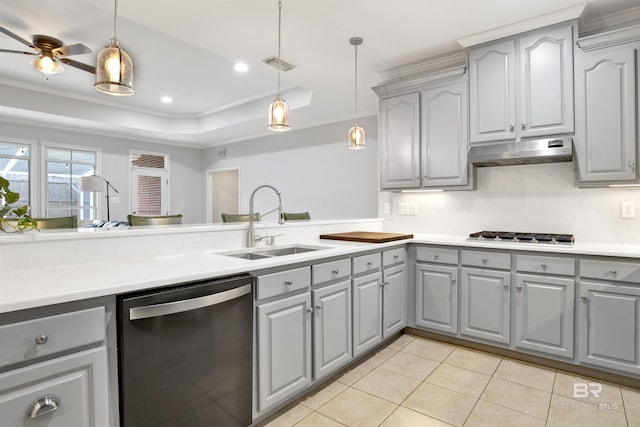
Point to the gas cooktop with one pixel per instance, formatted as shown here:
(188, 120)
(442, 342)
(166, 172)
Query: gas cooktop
(521, 237)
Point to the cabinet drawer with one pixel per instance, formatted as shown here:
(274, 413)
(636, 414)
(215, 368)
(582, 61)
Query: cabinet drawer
(365, 263)
(37, 338)
(486, 259)
(283, 282)
(77, 384)
(394, 256)
(440, 255)
(546, 264)
(328, 271)
(610, 270)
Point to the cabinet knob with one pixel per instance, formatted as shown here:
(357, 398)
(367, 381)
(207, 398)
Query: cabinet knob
(310, 310)
(453, 280)
(506, 286)
(613, 271)
(519, 287)
(632, 165)
(41, 339)
(435, 256)
(288, 282)
(484, 260)
(369, 263)
(543, 266)
(335, 272)
(511, 128)
(42, 406)
(395, 257)
(523, 126)
(318, 307)
(584, 298)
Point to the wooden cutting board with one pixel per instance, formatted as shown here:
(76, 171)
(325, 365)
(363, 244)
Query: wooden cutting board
(367, 236)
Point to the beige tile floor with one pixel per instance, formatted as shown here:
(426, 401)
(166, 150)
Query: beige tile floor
(415, 381)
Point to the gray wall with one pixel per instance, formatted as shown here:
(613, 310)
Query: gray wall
(185, 175)
(312, 168)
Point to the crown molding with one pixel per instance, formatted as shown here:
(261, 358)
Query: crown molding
(610, 38)
(523, 26)
(619, 19)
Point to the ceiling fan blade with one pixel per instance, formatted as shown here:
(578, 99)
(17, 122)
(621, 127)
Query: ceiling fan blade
(72, 49)
(17, 51)
(80, 65)
(17, 37)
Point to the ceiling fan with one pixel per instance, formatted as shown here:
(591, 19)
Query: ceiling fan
(50, 52)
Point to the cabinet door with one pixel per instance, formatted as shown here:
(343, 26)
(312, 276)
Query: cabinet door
(492, 92)
(544, 314)
(77, 384)
(546, 83)
(444, 136)
(367, 312)
(437, 297)
(394, 312)
(284, 348)
(485, 304)
(610, 326)
(400, 142)
(331, 328)
(606, 115)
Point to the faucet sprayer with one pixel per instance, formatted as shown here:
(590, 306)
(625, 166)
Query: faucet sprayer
(251, 237)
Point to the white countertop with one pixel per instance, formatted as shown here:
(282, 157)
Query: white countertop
(35, 287)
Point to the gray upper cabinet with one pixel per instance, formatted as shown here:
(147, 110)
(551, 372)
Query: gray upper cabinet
(444, 136)
(400, 141)
(606, 111)
(522, 87)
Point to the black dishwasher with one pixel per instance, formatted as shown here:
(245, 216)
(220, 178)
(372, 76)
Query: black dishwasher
(185, 354)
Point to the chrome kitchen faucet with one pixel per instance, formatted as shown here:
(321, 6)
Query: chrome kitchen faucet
(251, 235)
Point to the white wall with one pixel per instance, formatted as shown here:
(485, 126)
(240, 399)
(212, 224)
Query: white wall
(312, 168)
(535, 198)
(185, 174)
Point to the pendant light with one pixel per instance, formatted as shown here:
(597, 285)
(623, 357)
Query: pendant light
(279, 110)
(356, 135)
(114, 68)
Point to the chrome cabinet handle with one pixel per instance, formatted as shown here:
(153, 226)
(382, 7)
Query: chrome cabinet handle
(369, 263)
(318, 307)
(523, 126)
(42, 406)
(288, 282)
(335, 272)
(395, 257)
(41, 339)
(511, 128)
(310, 310)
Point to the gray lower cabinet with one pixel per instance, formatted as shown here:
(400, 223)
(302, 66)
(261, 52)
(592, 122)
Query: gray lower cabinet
(610, 313)
(485, 304)
(331, 328)
(437, 297)
(54, 371)
(394, 294)
(367, 312)
(284, 348)
(544, 314)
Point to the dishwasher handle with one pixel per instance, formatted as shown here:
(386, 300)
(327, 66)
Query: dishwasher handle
(156, 310)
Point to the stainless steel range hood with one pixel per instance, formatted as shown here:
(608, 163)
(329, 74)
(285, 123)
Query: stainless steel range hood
(548, 150)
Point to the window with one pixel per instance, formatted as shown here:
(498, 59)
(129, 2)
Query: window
(15, 166)
(63, 168)
(149, 183)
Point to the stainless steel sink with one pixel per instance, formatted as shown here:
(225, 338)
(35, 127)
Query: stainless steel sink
(277, 251)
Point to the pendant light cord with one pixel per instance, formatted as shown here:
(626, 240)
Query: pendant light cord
(115, 20)
(356, 82)
(279, 38)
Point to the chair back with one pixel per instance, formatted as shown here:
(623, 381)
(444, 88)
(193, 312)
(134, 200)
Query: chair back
(239, 217)
(59, 222)
(295, 216)
(154, 220)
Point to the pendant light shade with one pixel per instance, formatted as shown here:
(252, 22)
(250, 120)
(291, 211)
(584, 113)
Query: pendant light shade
(356, 135)
(279, 110)
(114, 67)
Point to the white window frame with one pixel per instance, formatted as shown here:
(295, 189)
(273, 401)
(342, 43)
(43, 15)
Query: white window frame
(167, 163)
(33, 175)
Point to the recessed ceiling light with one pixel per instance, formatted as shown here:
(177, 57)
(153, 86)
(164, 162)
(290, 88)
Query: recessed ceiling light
(241, 67)
(166, 99)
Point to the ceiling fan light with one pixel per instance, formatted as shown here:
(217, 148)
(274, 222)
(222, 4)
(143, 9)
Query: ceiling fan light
(356, 137)
(279, 115)
(114, 70)
(46, 65)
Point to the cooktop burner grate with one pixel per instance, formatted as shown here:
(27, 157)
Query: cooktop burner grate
(515, 237)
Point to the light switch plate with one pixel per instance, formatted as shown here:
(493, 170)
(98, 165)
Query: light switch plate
(627, 209)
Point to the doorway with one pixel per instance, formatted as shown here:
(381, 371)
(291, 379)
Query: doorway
(223, 193)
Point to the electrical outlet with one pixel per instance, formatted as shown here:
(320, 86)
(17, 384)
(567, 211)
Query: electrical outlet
(403, 208)
(627, 209)
(413, 209)
(115, 199)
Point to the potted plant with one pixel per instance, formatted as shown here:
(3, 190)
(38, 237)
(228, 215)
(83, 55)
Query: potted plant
(17, 220)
